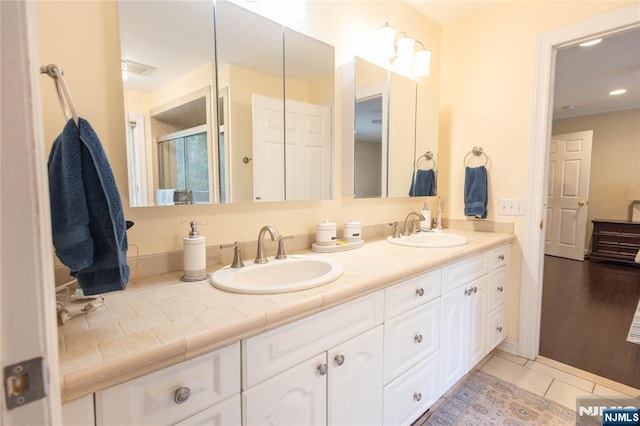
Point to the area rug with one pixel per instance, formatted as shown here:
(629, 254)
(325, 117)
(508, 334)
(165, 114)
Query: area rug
(486, 400)
(634, 330)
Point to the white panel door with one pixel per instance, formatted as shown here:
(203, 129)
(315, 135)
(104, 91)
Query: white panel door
(478, 323)
(569, 166)
(308, 151)
(296, 397)
(268, 148)
(355, 381)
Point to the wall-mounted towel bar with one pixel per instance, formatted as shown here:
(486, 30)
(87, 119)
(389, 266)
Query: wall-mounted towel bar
(477, 151)
(64, 95)
(428, 156)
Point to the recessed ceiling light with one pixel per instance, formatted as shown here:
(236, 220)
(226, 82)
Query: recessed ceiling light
(590, 42)
(618, 92)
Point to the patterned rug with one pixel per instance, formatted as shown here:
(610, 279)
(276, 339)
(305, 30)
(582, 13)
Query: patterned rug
(486, 400)
(634, 331)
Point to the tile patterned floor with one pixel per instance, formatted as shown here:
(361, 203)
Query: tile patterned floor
(552, 380)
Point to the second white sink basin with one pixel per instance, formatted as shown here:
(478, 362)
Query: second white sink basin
(430, 239)
(294, 273)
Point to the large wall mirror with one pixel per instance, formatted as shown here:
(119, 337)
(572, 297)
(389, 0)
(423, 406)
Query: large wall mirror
(272, 89)
(275, 107)
(395, 134)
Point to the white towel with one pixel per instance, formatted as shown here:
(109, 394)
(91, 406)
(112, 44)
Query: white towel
(638, 257)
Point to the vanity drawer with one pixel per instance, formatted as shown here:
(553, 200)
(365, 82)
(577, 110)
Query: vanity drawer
(411, 293)
(499, 257)
(154, 399)
(497, 288)
(497, 329)
(410, 337)
(464, 271)
(274, 351)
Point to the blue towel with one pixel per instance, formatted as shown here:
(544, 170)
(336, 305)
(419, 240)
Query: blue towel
(475, 192)
(89, 230)
(423, 184)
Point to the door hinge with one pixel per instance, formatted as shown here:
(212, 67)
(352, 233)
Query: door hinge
(25, 382)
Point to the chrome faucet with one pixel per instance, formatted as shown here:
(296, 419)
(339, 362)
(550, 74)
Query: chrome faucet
(260, 256)
(406, 223)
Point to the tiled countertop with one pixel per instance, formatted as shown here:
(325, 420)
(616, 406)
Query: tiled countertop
(160, 321)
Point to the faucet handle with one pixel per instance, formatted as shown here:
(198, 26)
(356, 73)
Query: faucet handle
(396, 232)
(237, 255)
(280, 254)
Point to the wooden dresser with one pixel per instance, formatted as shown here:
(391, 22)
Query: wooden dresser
(617, 240)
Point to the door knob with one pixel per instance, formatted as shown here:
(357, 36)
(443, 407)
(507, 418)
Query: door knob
(582, 202)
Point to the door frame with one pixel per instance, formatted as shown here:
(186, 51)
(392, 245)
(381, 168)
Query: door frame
(533, 241)
(25, 242)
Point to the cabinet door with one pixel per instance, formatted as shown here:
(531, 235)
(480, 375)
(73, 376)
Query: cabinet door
(355, 381)
(477, 306)
(226, 413)
(79, 412)
(297, 396)
(454, 334)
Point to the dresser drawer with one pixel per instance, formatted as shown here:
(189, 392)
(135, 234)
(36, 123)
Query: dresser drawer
(411, 293)
(464, 271)
(274, 351)
(410, 337)
(152, 399)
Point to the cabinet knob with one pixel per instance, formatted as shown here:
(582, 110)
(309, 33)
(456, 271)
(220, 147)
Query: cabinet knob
(181, 394)
(499, 329)
(417, 396)
(339, 359)
(500, 289)
(467, 292)
(475, 289)
(417, 338)
(322, 369)
(420, 292)
(501, 257)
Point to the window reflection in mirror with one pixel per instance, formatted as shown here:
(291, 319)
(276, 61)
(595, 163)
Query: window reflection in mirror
(160, 78)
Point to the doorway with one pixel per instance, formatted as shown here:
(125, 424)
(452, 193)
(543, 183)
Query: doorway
(533, 242)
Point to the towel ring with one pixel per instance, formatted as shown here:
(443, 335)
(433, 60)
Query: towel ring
(64, 95)
(429, 157)
(477, 151)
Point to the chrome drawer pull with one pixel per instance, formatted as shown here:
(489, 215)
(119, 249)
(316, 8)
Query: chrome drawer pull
(322, 369)
(475, 289)
(181, 395)
(501, 257)
(420, 292)
(500, 289)
(417, 396)
(499, 329)
(339, 359)
(417, 338)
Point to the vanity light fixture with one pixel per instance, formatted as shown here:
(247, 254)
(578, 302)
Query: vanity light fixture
(618, 92)
(590, 42)
(399, 49)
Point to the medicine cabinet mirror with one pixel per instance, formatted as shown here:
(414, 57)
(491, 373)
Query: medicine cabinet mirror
(272, 89)
(392, 143)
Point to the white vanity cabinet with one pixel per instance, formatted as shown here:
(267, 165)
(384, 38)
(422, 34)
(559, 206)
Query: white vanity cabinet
(472, 312)
(323, 369)
(206, 387)
(79, 412)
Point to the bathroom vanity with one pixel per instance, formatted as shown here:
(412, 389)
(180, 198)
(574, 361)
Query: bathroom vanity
(379, 345)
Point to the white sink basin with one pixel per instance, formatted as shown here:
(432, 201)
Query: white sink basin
(278, 276)
(430, 239)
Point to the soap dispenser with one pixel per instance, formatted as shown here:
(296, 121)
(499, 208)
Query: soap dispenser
(425, 224)
(195, 255)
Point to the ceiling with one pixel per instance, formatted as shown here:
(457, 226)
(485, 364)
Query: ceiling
(584, 75)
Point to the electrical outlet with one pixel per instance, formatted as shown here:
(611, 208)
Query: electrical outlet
(509, 207)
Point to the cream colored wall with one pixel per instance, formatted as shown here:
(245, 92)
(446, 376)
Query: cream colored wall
(615, 161)
(82, 37)
(486, 100)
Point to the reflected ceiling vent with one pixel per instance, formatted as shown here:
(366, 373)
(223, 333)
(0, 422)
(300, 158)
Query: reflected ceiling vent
(136, 67)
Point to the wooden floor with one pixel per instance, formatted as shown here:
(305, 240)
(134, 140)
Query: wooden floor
(587, 308)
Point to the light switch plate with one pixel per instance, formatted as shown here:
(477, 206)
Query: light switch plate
(510, 207)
